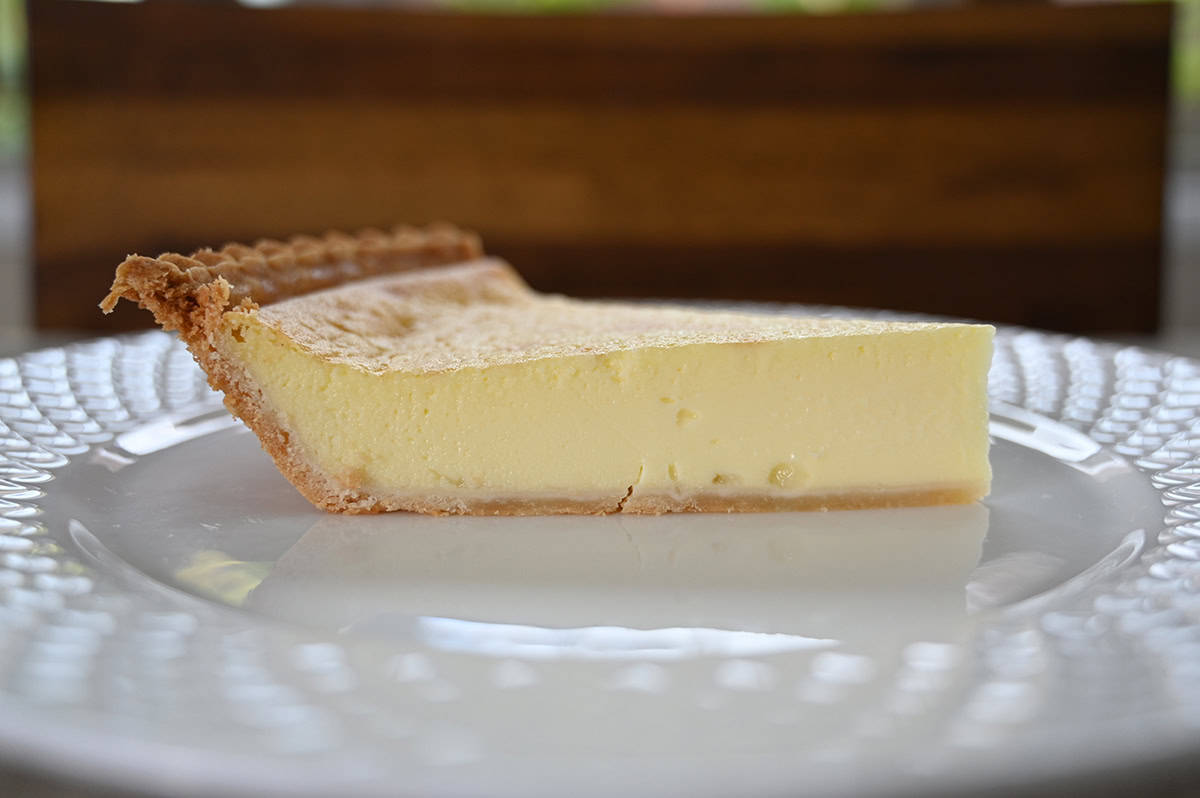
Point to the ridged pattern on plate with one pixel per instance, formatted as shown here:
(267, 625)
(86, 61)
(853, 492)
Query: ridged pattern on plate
(87, 648)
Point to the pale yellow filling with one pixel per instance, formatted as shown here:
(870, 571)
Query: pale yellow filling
(904, 409)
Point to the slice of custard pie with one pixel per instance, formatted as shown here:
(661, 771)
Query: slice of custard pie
(406, 371)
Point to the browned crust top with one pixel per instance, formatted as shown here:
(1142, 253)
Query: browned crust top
(190, 292)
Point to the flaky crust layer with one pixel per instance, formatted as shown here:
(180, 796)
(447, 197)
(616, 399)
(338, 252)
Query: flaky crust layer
(190, 292)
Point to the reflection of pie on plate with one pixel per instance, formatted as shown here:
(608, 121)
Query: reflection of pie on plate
(404, 371)
(811, 574)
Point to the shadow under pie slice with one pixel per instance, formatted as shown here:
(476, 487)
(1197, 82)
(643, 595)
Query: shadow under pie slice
(405, 371)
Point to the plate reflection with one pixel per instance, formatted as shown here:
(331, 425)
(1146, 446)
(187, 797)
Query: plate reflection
(630, 587)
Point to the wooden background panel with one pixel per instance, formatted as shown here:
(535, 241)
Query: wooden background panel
(962, 55)
(874, 177)
(1003, 163)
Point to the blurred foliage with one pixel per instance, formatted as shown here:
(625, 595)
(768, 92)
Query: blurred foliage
(12, 38)
(1187, 51)
(14, 109)
(536, 6)
(671, 6)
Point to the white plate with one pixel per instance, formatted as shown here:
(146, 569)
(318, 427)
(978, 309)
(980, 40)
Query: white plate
(174, 617)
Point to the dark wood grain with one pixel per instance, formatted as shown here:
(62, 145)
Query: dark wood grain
(1036, 285)
(996, 162)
